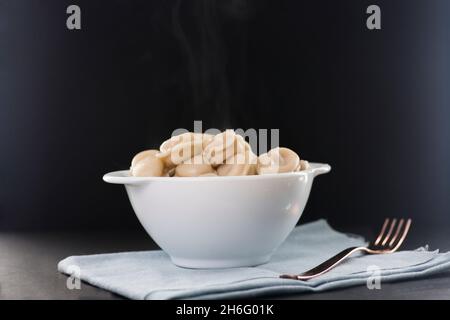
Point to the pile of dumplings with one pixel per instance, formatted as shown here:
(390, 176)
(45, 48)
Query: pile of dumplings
(201, 155)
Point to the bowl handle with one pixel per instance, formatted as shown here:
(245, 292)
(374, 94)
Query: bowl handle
(122, 177)
(320, 168)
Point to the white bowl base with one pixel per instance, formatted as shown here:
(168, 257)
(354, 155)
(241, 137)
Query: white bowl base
(220, 263)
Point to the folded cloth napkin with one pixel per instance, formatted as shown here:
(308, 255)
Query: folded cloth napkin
(151, 275)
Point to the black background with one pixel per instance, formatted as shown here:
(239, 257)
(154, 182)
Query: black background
(77, 104)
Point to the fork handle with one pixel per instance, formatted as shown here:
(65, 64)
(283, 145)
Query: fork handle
(324, 266)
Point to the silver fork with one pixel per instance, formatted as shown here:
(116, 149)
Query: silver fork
(382, 244)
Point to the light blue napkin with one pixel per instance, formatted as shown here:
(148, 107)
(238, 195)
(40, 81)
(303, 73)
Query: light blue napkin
(151, 275)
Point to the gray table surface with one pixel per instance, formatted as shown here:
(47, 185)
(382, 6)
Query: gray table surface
(28, 267)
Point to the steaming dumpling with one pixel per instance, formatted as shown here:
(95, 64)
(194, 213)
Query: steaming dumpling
(183, 147)
(224, 146)
(146, 164)
(239, 165)
(193, 168)
(278, 160)
(303, 165)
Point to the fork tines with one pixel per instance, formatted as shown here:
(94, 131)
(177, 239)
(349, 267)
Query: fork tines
(392, 240)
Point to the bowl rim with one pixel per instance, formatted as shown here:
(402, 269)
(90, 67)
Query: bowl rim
(123, 176)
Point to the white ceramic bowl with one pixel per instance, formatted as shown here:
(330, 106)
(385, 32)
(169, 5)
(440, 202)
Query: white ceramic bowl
(219, 222)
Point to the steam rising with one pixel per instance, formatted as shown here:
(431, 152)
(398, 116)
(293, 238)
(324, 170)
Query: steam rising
(199, 27)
